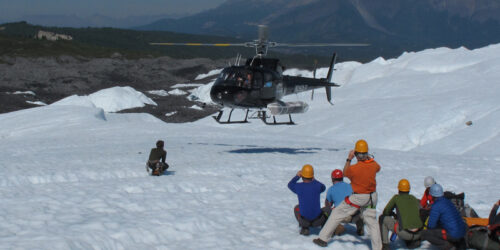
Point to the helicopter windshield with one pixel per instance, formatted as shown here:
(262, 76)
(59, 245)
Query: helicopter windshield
(240, 77)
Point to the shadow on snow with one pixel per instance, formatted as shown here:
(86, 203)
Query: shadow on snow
(292, 151)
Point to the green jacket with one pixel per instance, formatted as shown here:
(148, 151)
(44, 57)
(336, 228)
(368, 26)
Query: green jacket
(407, 210)
(157, 154)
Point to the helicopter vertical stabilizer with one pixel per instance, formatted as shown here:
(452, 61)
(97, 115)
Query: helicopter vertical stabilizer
(329, 78)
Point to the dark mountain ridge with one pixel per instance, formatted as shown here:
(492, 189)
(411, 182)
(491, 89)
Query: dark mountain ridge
(390, 26)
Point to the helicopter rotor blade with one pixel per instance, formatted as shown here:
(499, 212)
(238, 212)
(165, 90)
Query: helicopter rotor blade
(205, 44)
(319, 44)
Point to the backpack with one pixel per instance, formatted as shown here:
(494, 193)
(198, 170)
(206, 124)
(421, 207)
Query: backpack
(479, 237)
(458, 200)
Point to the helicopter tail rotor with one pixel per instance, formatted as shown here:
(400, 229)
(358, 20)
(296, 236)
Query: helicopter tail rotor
(329, 79)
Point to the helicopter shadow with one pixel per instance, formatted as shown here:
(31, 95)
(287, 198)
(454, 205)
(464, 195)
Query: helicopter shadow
(254, 149)
(281, 150)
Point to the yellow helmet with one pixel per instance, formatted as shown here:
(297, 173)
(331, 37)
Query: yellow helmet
(404, 185)
(361, 146)
(307, 171)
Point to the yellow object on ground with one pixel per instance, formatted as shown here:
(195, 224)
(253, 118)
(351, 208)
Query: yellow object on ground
(476, 221)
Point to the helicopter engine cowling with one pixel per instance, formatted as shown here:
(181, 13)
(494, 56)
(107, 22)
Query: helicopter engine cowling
(284, 108)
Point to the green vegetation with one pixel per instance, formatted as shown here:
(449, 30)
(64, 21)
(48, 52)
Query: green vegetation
(18, 39)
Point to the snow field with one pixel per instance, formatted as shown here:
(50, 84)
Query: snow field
(73, 176)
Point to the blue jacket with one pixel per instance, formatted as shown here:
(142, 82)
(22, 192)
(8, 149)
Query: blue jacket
(337, 193)
(308, 194)
(445, 215)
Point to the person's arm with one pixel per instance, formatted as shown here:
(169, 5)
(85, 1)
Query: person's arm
(323, 188)
(164, 156)
(293, 182)
(493, 213)
(150, 154)
(328, 203)
(390, 206)
(423, 201)
(433, 218)
(348, 161)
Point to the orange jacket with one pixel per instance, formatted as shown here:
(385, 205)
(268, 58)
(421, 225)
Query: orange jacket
(362, 176)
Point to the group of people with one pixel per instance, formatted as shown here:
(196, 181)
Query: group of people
(433, 218)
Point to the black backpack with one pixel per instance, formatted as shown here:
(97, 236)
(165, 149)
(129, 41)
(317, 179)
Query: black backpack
(458, 200)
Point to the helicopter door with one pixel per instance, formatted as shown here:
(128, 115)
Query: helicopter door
(267, 90)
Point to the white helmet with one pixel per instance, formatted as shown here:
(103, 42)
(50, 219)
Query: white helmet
(429, 181)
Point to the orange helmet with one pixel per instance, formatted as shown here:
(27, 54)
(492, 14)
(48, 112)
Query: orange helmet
(404, 185)
(307, 171)
(361, 146)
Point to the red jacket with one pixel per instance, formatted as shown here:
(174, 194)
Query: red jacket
(426, 200)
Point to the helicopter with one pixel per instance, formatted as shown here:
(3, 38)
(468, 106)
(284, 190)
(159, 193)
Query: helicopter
(260, 85)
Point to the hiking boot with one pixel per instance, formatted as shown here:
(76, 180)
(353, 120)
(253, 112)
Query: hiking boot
(320, 242)
(360, 225)
(386, 247)
(304, 231)
(156, 172)
(413, 244)
(339, 230)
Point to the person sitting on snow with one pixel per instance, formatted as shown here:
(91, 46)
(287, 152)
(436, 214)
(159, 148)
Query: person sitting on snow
(157, 158)
(336, 194)
(406, 222)
(308, 212)
(426, 201)
(446, 227)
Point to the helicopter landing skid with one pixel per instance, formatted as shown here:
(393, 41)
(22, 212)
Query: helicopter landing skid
(263, 117)
(219, 116)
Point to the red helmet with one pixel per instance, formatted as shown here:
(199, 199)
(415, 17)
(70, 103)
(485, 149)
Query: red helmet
(337, 174)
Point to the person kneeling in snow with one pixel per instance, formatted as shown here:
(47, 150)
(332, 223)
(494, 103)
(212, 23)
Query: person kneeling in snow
(406, 222)
(336, 194)
(308, 212)
(364, 198)
(446, 227)
(157, 159)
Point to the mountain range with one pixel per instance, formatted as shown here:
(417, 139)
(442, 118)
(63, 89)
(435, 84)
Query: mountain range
(390, 26)
(96, 20)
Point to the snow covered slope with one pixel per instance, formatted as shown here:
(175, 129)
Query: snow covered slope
(110, 100)
(73, 177)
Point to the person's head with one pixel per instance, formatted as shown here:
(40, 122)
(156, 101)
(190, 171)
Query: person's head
(404, 186)
(337, 176)
(436, 191)
(160, 144)
(361, 150)
(429, 181)
(307, 172)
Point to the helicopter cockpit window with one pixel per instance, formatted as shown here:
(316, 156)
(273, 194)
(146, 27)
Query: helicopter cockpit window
(240, 77)
(268, 80)
(243, 78)
(257, 81)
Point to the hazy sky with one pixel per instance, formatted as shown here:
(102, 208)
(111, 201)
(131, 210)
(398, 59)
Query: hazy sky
(11, 9)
